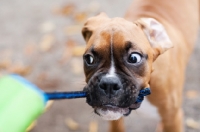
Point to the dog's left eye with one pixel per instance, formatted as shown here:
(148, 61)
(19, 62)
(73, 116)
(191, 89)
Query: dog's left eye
(134, 58)
(89, 59)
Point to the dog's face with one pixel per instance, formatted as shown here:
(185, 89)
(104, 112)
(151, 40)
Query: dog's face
(118, 63)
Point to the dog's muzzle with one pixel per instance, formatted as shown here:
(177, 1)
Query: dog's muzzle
(113, 97)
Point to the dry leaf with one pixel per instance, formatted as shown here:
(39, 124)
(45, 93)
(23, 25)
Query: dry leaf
(67, 54)
(80, 17)
(78, 51)
(45, 82)
(73, 29)
(47, 27)
(49, 104)
(192, 123)
(20, 69)
(93, 126)
(5, 64)
(71, 124)
(29, 49)
(47, 42)
(65, 10)
(192, 94)
(43, 76)
(70, 44)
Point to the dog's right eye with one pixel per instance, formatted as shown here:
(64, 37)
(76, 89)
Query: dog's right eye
(89, 59)
(134, 58)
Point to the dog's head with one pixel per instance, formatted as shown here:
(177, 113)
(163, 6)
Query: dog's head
(118, 61)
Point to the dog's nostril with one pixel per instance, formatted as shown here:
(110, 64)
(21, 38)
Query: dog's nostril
(112, 87)
(103, 86)
(116, 87)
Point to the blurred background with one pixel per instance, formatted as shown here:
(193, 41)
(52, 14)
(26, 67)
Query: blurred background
(41, 40)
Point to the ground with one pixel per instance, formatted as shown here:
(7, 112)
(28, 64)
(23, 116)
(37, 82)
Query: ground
(42, 41)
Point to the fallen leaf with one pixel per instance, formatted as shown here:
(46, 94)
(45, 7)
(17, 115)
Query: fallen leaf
(67, 53)
(73, 29)
(80, 17)
(49, 104)
(46, 42)
(93, 126)
(70, 44)
(71, 124)
(20, 69)
(5, 64)
(65, 57)
(192, 94)
(45, 82)
(65, 10)
(29, 49)
(192, 123)
(78, 50)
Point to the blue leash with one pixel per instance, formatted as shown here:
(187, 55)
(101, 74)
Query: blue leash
(82, 94)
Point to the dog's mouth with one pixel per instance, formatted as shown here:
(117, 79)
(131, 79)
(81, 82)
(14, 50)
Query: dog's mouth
(112, 112)
(110, 99)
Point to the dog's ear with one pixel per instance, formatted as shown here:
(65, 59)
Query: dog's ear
(156, 34)
(91, 24)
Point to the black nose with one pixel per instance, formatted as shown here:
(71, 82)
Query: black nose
(110, 85)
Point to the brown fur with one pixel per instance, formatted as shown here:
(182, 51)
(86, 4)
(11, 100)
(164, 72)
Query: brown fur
(181, 21)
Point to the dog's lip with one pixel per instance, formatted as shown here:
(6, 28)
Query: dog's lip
(135, 106)
(110, 106)
(126, 111)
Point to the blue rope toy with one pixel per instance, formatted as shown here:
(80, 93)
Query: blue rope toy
(82, 94)
(143, 92)
(66, 95)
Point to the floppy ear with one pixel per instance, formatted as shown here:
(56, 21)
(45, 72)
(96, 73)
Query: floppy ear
(91, 24)
(156, 35)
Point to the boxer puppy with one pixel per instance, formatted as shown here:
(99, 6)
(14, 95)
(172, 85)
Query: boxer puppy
(121, 54)
(118, 62)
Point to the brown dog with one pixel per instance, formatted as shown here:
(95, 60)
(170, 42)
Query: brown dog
(121, 58)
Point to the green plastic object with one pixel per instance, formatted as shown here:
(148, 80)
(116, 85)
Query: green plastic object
(21, 103)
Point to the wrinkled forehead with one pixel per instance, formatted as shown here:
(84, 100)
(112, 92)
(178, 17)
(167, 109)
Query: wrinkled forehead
(120, 35)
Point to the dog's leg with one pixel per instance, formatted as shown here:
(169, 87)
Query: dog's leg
(117, 126)
(171, 117)
(169, 108)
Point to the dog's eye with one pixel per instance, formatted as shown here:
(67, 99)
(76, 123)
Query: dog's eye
(89, 59)
(134, 58)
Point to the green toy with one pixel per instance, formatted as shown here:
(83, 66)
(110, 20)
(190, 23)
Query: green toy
(21, 102)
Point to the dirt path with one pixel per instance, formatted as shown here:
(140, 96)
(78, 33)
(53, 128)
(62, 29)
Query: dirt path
(42, 41)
